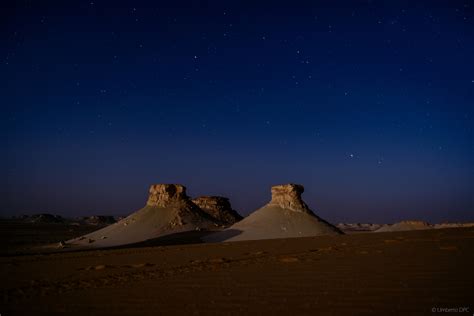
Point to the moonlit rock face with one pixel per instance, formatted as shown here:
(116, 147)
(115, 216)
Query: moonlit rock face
(219, 208)
(288, 196)
(165, 194)
(285, 216)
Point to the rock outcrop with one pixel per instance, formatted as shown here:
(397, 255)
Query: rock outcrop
(42, 218)
(288, 196)
(358, 227)
(168, 210)
(218, 208)
(405, 226)
(162, 195)
(285, 216)
(97, 220)
(452, 225)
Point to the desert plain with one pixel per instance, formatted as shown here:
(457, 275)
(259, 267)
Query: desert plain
(395, 273)
(294, 263)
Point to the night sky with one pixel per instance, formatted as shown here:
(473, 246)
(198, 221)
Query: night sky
(368, 104)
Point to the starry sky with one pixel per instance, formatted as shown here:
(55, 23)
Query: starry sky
(368, 104)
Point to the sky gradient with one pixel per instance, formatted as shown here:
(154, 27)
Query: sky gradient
(368, 104)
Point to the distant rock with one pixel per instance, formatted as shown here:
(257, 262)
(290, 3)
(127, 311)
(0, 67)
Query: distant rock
(42, 218)
(285, 216)
(97, 220)
(452, 225)
(218, 208)
(358, 227)
(405, 226)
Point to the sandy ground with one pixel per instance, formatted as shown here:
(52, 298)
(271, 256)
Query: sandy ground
(409, 273)
(18, 236)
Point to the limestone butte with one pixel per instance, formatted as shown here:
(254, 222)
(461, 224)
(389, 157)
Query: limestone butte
(286, 215)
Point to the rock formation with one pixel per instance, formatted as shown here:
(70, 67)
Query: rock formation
(358, 227)
(286, 215)
(97, 220)
(219, 208)
(288, 197)
(168, 211)
(162, 195)
(42, 218)
(452, 225)
(404, 226)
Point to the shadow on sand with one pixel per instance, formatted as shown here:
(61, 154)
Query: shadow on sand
(183, 238)
(222, 235)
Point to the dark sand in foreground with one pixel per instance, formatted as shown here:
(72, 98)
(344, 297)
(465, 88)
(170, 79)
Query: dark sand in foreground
(380, 274)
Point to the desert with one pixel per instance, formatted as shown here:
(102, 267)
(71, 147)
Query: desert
(237, 158)
(284, 264)
(391, 273)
